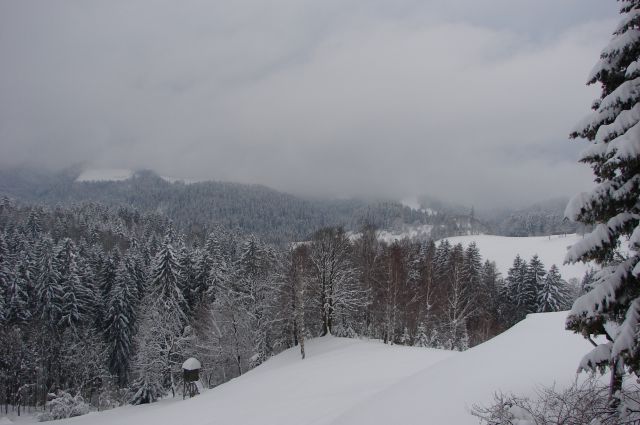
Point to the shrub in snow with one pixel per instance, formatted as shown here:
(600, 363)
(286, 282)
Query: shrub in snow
(146, 389)
(585, 403)
(64, 405)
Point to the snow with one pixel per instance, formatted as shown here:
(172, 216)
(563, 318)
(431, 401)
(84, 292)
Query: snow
(191, 364)
(411, 232)
(419, 232)
(120, 174)
(413, 203)
(535, 352)
(104, 174)
(503, 249)
(349, 381)
(179, 180)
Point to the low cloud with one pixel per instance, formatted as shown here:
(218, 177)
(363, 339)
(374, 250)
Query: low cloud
(333, 98)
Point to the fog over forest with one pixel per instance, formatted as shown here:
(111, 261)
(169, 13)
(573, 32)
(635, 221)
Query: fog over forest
(355, 98)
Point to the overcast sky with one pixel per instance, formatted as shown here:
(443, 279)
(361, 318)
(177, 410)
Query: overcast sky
(467, 100)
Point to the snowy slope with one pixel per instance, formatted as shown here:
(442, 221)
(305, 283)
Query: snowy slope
(503, 250)
(104, 174)
(336, 374)
(119, 174)
(345, 381)
(535, 352)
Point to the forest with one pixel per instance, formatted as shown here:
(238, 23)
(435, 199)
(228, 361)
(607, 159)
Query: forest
(105, 303)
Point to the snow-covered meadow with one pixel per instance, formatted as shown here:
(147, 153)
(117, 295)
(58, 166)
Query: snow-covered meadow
(550, 249)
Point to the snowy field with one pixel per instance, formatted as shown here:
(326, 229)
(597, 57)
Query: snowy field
(503, 249)
(345, 381)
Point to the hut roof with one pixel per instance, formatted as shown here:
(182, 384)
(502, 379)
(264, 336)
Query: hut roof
(191, 364)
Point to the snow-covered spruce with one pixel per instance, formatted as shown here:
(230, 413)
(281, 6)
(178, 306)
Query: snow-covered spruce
(612, 306)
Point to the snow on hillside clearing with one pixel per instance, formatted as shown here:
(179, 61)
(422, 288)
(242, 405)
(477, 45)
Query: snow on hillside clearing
(419, 232)
(414, 204)
(503, 250)
(349, 381)
(104, 174)
(120, 174)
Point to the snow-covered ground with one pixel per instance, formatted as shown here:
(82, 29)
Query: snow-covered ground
(104, 174)
(419, 232)
(535, 352)
(119, 174)
(414, 204)
(346, 381)
(503, 249)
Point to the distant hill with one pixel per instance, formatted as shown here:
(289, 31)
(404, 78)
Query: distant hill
(275, 216)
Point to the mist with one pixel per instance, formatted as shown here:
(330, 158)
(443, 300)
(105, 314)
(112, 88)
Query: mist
(470, 102)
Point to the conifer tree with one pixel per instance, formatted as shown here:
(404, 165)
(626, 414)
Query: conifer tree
(513, 311)
(4, 279)
(17, 297)
(75, 299)
(534, 279)
(472, 265)
(553, 295)
(612, 207)
(166, 282)
(120, 322)
(49, 293)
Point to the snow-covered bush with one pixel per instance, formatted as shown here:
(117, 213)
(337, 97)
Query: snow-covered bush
(64, 405)
(583, 403)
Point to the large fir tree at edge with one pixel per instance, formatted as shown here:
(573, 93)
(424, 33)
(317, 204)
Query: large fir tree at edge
(612, 306)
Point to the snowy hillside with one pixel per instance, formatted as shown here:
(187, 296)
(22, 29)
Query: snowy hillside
(536, 351)
(104, 174)
(346, 381)
(503, 249)
(119, 174)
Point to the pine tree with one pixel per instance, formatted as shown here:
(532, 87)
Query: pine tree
(120, 322)
(553, 295)
(166, 282)
(513, 308)
(440, 261)
(534, 280)
(49, 293)
(17, 297)
(472, 265)
(612, 207)
(4, 279)
(108, 273)
(69, 281)
(187, 261)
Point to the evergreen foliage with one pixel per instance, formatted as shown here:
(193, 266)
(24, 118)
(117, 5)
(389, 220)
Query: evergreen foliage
(611, 307)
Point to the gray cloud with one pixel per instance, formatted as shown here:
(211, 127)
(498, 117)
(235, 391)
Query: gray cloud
(466, 100)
